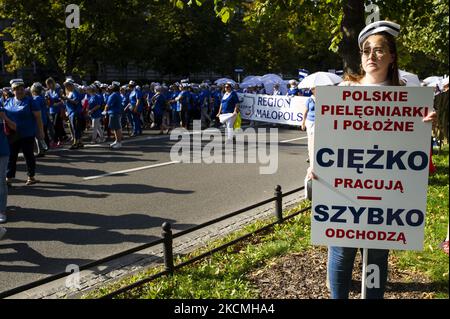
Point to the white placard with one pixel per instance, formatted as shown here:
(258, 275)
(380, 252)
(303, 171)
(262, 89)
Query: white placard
(371, 157)
(277, 109)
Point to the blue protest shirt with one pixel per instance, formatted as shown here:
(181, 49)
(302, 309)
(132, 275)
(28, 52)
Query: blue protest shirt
(175, 105)
(125, 102)
(195, 101)
(105, 98)
(39, 102)
(204, 98)
(4, 145)
(93, 101)
(167, 94)
(74, 108)
(133, 98)
(3, 101)
(101, 99)
(306, 92)
(54, 98)
(217, 98)
(311, 107)
(293, 92)
(229, 102)
(114, 104)
(185, 100)
(21, 112)
(159, 105)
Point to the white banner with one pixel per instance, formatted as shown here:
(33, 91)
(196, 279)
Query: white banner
(277, 109)
(371, 157)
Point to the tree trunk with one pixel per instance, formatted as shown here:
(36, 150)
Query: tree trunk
(352, 23)
(69, 60)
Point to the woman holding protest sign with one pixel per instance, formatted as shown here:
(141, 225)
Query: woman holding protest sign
(379, 67)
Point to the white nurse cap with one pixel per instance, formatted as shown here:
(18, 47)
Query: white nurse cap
(377, 27)
(16, 82)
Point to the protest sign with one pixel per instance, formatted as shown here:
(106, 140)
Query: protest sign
(371, 157)
(276, 109)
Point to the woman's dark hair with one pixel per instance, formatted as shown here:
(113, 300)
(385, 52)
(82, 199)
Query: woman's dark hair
(392, 76)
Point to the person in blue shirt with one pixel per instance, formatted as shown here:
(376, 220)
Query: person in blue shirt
(216, 97)
(184, 98)
(56, 111)
(305, 92)
(28, 119)
(72, 101)
(104, 92)
(293, 89)
(195, 102)
(127, 118)
(308, 123)
(6, 94)
(37, 91)
(136, 107)
(229, 108)
(114, 110)
(175, 106)
(95, 113)
(159, 108)
(204, 101)
(6, 125)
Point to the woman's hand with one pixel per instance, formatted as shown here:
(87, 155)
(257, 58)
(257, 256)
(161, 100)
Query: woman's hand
(432, 117)
(310, 174)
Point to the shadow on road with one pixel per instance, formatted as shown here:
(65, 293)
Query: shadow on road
(32, 260)
(101, 221)
(58, 189)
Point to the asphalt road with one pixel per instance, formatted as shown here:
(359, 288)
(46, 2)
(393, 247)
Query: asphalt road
(95, 202)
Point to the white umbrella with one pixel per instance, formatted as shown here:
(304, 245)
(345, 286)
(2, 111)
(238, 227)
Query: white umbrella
(271, 77)
(250, 77)
(319, 79)
(223, 81)
(410, 79)
(432, 80)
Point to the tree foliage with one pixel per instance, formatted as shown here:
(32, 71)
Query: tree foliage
(185, 36)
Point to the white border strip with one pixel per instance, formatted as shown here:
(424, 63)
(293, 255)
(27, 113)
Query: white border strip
(294, 139)
(131, 170)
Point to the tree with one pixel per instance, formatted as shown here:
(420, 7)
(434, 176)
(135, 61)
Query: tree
(352, 24)
(40, 33)
(423, 41)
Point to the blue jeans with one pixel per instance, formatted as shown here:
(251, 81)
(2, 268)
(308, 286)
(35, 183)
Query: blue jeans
(137, 129)
(3, 187)
(340, 267)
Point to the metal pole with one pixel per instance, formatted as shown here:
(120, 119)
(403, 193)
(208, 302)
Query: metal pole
(279, 204)
(364, 274)
(168, 251)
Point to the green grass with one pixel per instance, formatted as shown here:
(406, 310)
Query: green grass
(431, 261)
(224, 274)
